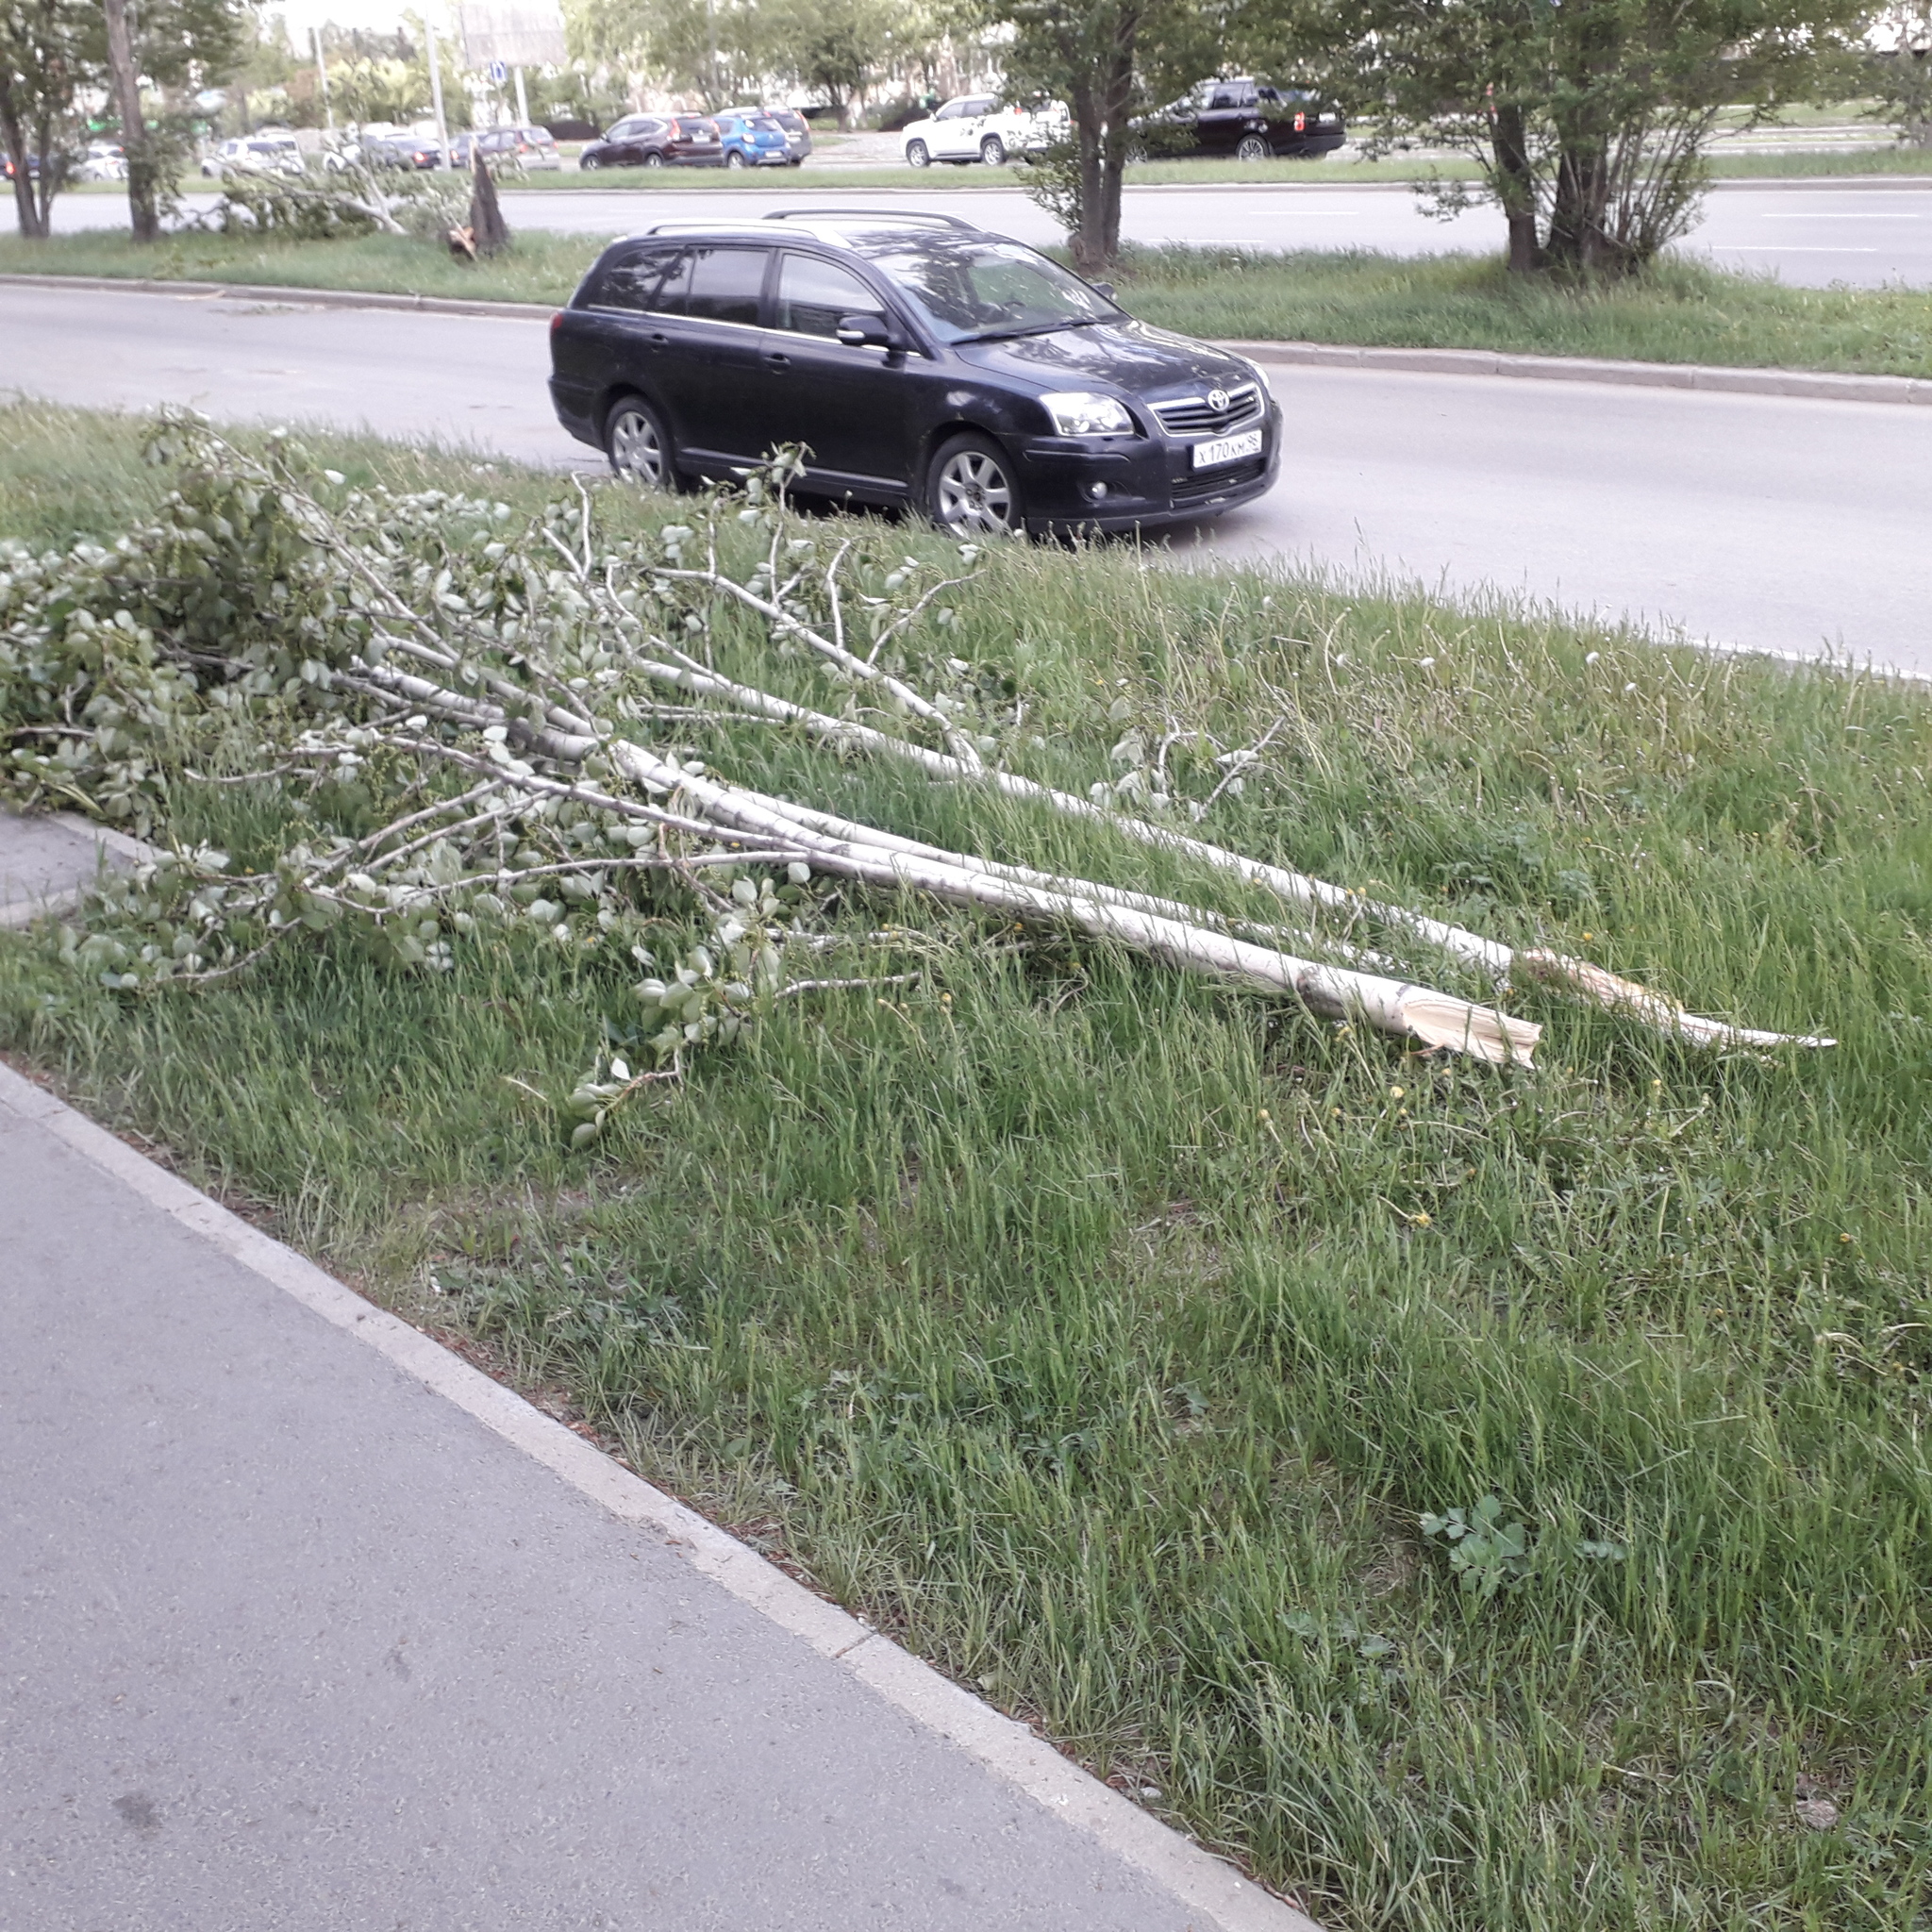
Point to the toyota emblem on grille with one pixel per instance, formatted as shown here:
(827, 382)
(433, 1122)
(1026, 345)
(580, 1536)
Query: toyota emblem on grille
(1217, 400)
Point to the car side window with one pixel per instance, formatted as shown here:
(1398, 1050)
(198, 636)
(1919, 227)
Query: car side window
(951, 111)
(726, 283)
(813, 295)
(977, 108)
(649, 279)
(1225, 97)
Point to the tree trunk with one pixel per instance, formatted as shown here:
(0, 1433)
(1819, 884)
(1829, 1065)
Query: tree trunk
(27, 204)
(1100, 122)
(124, 84)
(1516, 187)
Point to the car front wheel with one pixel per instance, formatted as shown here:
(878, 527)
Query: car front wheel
(639, 445)
(993, 151)
(1252, 148)
(971, 488)
(590, 161)
(916, 155)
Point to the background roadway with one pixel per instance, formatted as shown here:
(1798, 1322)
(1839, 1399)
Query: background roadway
(1767, 522)
(1807, 236)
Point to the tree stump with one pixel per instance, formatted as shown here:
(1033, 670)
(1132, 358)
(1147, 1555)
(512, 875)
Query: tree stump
(490, 233)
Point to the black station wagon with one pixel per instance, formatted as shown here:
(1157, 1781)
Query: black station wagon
(919, 362)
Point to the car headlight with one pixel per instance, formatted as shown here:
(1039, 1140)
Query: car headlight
(1075, 412)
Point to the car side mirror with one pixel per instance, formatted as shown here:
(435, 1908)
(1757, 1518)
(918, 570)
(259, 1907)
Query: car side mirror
(865, 332)
(1104, 288)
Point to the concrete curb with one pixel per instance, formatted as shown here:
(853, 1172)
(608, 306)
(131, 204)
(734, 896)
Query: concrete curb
(18, 917)
(1820, 384)
(1199, 1880)
(304, 298)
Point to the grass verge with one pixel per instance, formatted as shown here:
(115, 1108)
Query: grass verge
(1107, 1337)
(1680, 312)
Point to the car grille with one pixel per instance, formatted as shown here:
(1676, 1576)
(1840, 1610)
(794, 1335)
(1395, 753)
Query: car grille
(1196, 416)
(1212, 482)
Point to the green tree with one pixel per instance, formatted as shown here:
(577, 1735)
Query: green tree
(50, 50)
(174, 46)
(1589, 119)
(835, 47)
(1899, 79)
(716, 51)
(1107, 61)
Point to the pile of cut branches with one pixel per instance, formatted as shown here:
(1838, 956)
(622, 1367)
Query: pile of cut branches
(340, 197)
(476, 724)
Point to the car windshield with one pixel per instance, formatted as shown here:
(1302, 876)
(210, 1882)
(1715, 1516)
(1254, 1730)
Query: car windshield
(975, 292)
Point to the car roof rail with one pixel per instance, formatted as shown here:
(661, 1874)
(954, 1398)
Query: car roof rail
(877, 214)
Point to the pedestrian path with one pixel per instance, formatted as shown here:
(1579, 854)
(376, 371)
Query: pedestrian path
(305, 1624)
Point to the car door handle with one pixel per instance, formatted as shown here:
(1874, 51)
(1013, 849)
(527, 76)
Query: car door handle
(659, 338)
(778, 358)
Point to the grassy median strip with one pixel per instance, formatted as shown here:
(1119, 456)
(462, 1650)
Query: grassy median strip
(1680, 312)
(1126, 1346)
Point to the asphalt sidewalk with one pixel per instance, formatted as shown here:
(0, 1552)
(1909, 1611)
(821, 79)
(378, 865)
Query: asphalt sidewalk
(306, 1623)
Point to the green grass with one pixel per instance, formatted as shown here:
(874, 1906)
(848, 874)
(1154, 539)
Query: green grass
(1680, 312)
(1105, 1336)
(1677, 312)
(543, 267)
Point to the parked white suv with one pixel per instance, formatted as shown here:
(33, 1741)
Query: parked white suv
(975, 127)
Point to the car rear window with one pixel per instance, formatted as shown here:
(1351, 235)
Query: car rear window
(652, 279)
(726, 283)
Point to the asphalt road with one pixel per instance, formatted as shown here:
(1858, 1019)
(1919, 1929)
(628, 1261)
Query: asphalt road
(1811, 236)
(1765, 522)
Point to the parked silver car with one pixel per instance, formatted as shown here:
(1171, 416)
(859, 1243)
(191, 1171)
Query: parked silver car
(531, 148)
(254, 154)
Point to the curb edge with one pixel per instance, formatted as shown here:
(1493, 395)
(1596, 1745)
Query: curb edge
(1008, 1749)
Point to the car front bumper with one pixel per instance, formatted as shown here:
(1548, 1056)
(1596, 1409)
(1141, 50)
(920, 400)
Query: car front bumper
(1142, 481)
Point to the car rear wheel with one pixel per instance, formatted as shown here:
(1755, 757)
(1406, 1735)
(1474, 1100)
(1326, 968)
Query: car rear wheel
(639, 445)
(971, 488)
(1251, 148)
(993, 151)
(655, 158)
(735, 158)
(916, 155)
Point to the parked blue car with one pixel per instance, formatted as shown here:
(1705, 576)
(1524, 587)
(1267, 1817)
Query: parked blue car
(752, 140)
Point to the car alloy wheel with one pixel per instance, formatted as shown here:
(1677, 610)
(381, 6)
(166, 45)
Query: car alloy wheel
(993, 151)
(916, 155)
(590, 161)
(654, 160)
(1252, 148)
(972, 491)
(734, 159)
(637, 445)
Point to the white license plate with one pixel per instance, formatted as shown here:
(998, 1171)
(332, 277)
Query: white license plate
(1229, 449)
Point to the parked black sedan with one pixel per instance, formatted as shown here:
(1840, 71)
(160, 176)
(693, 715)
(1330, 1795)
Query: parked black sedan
(1246, 120)
(919, 360)
(658, 140)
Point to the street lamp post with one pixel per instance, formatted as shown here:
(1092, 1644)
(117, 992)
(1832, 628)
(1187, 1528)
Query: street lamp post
(436, 94)
(329, 113)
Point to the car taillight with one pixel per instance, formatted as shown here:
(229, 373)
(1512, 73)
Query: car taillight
(1301, 122)
(556, 322)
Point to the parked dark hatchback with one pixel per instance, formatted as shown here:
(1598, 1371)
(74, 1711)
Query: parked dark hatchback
(658, 140)
(919, 360)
